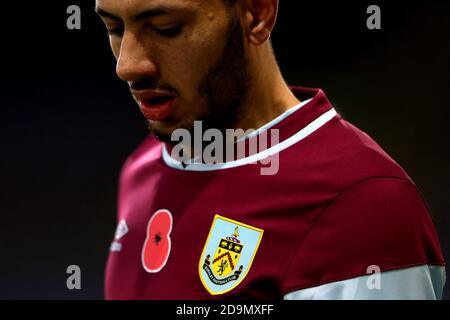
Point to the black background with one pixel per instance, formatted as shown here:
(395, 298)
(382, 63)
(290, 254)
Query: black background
(67, 122)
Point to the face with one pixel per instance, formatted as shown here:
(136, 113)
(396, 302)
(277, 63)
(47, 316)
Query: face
(184, 60)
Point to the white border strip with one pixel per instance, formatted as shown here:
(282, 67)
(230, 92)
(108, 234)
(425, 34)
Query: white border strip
(277, 120)
(425, 282)
(302, 134)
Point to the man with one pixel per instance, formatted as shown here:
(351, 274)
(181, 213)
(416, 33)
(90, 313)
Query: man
(334, 218)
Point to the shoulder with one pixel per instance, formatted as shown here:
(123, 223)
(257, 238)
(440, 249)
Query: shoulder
(379, 221)
(356, 153)
(336, 158)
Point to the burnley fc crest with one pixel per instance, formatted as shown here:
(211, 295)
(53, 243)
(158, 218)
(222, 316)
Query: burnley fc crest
(228, 254)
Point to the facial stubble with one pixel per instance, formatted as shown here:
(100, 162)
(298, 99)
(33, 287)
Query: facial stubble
(225, 86)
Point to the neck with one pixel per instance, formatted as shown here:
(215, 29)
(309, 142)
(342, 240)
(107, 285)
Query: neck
(269, 95)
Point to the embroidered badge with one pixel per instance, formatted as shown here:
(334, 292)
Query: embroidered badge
(228, 254)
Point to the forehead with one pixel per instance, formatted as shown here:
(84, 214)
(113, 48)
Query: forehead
(130, 8)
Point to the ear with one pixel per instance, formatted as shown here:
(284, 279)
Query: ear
(259, 19)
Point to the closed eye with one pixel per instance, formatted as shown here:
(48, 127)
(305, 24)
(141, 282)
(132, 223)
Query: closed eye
(115, 31)
(169, 32)
(165, 32)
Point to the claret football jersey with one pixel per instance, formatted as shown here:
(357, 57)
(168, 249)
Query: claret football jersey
(339, 219)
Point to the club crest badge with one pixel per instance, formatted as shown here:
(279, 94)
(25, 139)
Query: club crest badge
(228, 254)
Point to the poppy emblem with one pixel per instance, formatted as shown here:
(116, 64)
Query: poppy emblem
(156, 249)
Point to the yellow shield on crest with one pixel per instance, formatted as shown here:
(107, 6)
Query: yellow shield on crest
(226, 257)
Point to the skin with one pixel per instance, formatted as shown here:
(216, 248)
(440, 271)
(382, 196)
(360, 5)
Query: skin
(219, 63)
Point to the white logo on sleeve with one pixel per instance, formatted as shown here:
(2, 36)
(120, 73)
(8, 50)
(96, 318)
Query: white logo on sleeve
(121, 230)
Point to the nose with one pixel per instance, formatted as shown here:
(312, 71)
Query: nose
(134, 61)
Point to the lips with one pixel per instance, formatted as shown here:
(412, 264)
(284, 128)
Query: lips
(156, 106)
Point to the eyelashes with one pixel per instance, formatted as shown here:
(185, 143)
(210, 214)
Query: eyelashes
(114, 32)
(169, 32)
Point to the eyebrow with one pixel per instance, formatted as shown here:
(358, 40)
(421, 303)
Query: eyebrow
(145, 14)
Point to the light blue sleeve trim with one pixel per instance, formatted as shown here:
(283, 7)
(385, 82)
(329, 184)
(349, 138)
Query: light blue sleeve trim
(415, 283)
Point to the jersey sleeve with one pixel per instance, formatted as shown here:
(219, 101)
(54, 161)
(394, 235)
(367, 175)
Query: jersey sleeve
(413, 283)
(378, 224)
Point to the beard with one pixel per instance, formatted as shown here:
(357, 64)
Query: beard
(226, 85)
(224, 88)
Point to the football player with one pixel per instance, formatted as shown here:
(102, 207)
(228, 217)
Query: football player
(337, 219)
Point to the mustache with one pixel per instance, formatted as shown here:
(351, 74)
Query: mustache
(149, 84)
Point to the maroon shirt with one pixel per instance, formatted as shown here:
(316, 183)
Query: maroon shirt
(337, 205)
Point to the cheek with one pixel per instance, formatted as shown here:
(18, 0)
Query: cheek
(189, 62)
(187, 68)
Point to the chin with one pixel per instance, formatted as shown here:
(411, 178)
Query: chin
(162, 131)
